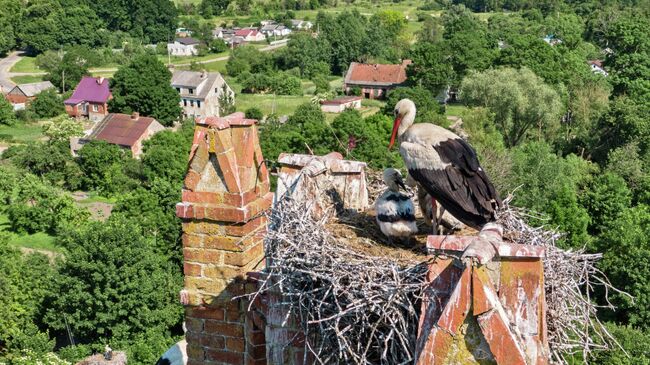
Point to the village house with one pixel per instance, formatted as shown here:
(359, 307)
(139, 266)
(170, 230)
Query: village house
(597, 67)
(124, 130)
(301, 24)
(183, 32)
(338, 105)
(275, 30)
(183, 47)
(20, 95)
(89, 99)
(375, 80)
(250, 35)
(200, 92)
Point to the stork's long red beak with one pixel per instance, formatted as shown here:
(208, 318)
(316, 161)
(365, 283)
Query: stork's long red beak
(396, 123)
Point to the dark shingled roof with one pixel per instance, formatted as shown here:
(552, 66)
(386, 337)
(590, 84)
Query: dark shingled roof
(121, 129)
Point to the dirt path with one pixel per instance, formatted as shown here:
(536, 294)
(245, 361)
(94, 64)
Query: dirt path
(5, 65)
(51, 255)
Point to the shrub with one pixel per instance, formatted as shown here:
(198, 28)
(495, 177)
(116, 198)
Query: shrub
(47, 104)
(254, 113)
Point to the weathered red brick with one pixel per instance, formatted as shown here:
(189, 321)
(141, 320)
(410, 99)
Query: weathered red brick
(191, 269)
(192, 180)
(212, 342)
(207, 313)
(240, 230)
(235, 344)
(257, 337)
(251, 361)
(228, 164)
(242, 258)
(257, 352)
(193, 324)
(195, 351)
(224, 329)
(228, 357)
(192, 240)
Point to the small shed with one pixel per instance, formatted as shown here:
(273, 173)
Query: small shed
(22, 94)
(330, 177)
(338, 105)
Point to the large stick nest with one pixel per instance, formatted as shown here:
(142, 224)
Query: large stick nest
(361, 305)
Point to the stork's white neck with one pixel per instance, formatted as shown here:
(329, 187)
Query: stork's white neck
(407, 122)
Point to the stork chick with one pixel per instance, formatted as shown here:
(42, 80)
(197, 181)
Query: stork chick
(395, 211)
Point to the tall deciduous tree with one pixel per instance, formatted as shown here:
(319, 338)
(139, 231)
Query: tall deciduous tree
(113, 285)
(144, 86)
(7, 116)
(431, 68)
(524, 106)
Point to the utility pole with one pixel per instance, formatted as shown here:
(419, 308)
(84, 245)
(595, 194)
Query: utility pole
(63, 79)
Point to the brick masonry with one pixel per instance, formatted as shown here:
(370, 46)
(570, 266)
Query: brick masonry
(225, 192)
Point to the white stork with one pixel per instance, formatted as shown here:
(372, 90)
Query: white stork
(445, 166)
(395, 211)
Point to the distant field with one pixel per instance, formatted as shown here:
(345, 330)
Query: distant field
(455, 109)
(27, 79)
(26, 64)
(21, 132)
(280, 105)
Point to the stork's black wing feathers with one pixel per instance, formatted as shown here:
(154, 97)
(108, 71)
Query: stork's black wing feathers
(462, 187)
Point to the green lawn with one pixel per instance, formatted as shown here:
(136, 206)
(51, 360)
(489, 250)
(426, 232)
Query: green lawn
(280, 104)
(38, 241)
(21, 132)
(455, 109)
(182, 60)
(26, 64)
(26, 79)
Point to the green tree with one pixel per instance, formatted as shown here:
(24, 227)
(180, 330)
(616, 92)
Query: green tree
(254, 113)
(635, 347)
(304, 51)
(7, 35)
(62, 128)
(226, 101)
(626, 244)
(67, 73)
(113, 285)
(51, 161)
(7, 116)
(430, 68)
(550, 184)
(144, 86)
(428, 109)
(105, 168)
(607, 197)
(47, 104)
(346, 33)
(524, 106)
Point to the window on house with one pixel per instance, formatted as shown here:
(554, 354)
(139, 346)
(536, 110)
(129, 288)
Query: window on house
(178, 89)
(184, 102)
(191, 102)
(198, 103)
(190, 91)
(216, 90)
(95, 107)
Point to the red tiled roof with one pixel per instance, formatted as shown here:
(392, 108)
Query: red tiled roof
(245, 32)
(598, 63)
(376, 74)
(121, 129)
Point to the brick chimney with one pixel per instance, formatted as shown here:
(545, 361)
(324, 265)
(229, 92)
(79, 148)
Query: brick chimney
(225, 192)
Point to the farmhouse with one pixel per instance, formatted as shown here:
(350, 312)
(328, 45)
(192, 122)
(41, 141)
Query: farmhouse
(22, 94)
(301, 24)
(126, 131)
(89, 99)
(183, 47)
(200, 92)
(275, 30)
(375, 80)
(597, 67)
(338, 105)
(250, 35)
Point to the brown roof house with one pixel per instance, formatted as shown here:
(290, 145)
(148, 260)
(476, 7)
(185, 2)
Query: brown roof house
(200, 92)
(126, 131)
(21, 95)
(375, 80)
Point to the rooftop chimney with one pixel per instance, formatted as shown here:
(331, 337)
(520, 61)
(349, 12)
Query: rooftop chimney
(100, 80)
(135, 116)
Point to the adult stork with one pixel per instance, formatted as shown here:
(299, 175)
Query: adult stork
(445, 166)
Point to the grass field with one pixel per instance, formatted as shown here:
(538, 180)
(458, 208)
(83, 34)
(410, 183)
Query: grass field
(37, 241)
(280, 104)
(22, 132)
(455, 109)
(27, 79)
(26, 64)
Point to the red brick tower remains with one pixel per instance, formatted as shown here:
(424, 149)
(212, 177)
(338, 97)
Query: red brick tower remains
(225, 191)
